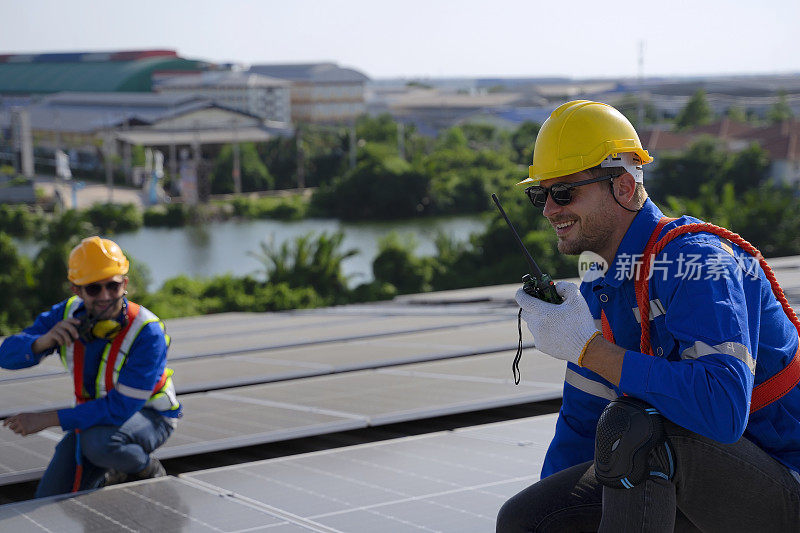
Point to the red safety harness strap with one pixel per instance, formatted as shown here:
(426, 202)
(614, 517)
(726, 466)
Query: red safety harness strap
(113, 353)
(77, 372)
(161, 382)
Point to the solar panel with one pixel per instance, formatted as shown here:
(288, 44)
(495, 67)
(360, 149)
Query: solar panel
(323, 331)
(452, 482)
(165, 504)
(319, 359)
(391, 395)
(214, 422)
(49, 366)
(35, 394)
(24, 458)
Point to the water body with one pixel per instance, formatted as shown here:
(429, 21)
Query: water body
(222, 247)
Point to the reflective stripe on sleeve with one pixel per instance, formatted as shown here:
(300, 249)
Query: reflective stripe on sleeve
(734, 349)
(139, 394)
(656, 309)
(589, 386)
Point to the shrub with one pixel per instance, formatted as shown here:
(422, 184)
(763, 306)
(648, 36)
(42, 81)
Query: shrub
(114, 218)
(169, 215)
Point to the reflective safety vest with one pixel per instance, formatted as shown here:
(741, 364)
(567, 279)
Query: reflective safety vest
(161, 398)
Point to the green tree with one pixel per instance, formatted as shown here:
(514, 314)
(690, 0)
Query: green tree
(382, 186)
(380, 129)
(780, 110)
(767, 216)
(397, 264)
(696, 113)
(114, 218)
(736, 114)
(18, 306)
(280, 156)
(523, 140)
(747, 169)
(254, 173)
(683, 174)
(308, 261)
(61, 235)
(629, 106)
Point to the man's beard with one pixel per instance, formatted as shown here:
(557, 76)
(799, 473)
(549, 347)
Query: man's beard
(594, 232)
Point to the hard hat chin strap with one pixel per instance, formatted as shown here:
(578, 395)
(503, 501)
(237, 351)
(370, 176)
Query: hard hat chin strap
(100, 327)
(614, 196)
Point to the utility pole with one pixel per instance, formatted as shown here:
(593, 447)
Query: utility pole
(301, 170)
(23, 142)
(107, 151)
(401, 140)
(237, 167)
(353, 142)
(640, 105)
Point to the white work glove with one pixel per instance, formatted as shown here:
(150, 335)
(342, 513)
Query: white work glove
(560, 330)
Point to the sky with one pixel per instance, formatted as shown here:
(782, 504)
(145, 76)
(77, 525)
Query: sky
(430, 38)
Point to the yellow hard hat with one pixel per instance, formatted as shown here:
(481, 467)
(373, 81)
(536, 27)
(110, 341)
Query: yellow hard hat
(95, 259)
(578, 135)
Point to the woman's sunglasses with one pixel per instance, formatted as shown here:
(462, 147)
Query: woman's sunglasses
(561, 193)
(93, 289)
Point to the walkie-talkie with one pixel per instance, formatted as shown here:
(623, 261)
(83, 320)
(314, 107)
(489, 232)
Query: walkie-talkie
(537, 284)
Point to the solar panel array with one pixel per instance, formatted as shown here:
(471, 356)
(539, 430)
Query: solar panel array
(449, 481)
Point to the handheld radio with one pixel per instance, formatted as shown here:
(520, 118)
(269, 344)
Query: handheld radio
(537, 284)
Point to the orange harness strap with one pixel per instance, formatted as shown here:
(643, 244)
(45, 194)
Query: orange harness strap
(113, 353)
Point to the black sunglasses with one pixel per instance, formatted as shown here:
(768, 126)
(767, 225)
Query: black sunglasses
(561, 193)
(93, 289)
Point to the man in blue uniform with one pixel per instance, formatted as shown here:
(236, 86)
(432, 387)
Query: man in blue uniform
(691, 422)
(116, 351)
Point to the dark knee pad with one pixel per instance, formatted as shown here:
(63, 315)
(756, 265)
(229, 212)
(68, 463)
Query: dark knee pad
(630, 445)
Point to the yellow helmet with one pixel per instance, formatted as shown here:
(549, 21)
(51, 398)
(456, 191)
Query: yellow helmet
(580, 135)
(95, 259)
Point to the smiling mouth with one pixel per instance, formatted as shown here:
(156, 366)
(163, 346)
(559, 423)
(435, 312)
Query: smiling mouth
(562, 228)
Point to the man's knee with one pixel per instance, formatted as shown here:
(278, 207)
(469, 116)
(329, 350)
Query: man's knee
(510, 516)
(99, 443)
(631, 445)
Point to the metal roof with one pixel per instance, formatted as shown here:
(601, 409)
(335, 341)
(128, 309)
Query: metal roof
(91, 112)
(87, 76)
(220, 79)
(311, 72)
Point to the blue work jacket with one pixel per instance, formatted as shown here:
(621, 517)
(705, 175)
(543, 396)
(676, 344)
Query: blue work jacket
(716, 331)
(144, 365)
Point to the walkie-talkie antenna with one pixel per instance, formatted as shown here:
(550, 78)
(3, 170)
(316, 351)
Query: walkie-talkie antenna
(536, 271)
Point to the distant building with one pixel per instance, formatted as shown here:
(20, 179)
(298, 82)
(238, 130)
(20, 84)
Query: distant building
(432, 110)
(320, 92)
(83, 122)
(268, 98)
(128, 71)
(781, 141)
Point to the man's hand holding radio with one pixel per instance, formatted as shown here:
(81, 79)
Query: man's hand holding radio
(560, 330)
(62, 334)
